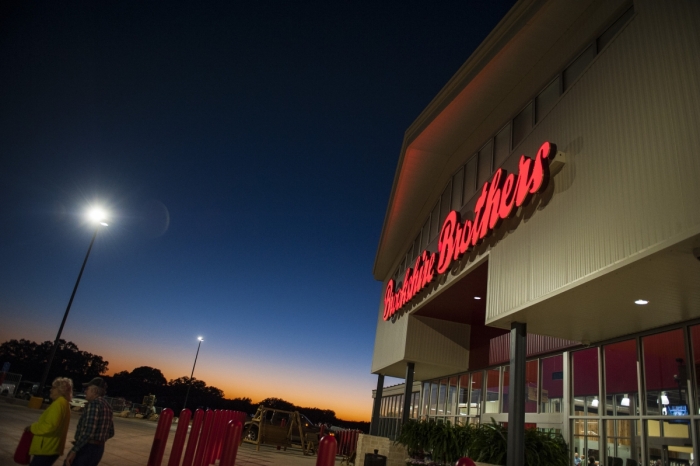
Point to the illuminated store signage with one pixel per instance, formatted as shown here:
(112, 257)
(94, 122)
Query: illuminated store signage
(499, 200)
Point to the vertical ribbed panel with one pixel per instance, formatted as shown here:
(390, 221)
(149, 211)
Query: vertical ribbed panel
(389, 342)
(499, 347)
(629, 128)
(438, 342)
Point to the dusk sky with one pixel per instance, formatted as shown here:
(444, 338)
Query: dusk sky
(245, 152)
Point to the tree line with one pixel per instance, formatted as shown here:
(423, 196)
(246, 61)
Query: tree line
(29, 359)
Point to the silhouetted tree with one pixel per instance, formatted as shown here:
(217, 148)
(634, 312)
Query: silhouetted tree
(239, 404)
(278, 403)
(322, 416)
(201, 395)
(29, 359)
(138, 383)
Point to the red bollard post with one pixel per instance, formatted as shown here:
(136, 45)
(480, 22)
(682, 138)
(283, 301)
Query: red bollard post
(213, 438)
(220, 435)
(465, 462)
(323, 430)
(194, 437)
(343, 442)
(199, 456)
(353, 441)
(327, 449)
(234, 429)
(161, 437)
(183, 423)
(225, 417)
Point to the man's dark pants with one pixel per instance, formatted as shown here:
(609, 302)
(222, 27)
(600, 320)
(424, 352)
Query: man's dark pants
(89, 455)
(43, 460)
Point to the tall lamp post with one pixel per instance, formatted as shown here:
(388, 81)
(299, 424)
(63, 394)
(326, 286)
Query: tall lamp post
(192, 374)
(97, 216)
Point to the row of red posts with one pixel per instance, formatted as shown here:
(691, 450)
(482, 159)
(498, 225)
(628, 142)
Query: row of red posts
(347, 441)
(220, 437)
(215, 435)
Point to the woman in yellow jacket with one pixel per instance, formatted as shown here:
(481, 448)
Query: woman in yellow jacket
(51, 429)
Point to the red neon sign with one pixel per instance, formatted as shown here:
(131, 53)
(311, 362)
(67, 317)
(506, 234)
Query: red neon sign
(499, 200)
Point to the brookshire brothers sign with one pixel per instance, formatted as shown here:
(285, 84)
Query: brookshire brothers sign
(499, 200)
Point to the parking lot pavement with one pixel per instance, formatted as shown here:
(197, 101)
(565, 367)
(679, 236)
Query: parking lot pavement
(132, 442)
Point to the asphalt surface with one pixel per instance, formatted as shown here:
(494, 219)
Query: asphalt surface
(132, 441)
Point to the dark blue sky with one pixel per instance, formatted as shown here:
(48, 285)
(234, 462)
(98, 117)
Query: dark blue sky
(246, 152)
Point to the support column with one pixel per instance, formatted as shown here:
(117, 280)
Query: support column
(376, 408)
(407, 392)
(516, 395)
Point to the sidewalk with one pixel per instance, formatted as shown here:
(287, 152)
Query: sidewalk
(132, 442)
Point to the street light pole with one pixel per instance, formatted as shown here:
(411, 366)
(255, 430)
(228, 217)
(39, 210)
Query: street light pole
(192, 374)
(65, 314)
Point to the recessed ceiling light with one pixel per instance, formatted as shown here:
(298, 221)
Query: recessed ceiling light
(641, 302)
(477, 297)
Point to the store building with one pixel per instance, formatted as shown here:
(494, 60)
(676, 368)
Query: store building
(552, 187)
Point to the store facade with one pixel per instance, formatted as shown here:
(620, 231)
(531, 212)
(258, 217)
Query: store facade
(552, 187)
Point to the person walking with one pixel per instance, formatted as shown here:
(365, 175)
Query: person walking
(51, 430)
(94, 428)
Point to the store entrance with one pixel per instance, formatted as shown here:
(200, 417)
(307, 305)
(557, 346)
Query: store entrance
(669, 443)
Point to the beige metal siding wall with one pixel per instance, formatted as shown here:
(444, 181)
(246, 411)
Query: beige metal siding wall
(389, 343)
(436, 346)
(630, 127)
(438, 342)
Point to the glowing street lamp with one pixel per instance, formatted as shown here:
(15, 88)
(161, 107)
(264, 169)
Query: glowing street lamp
(97, 216)
(192, 374)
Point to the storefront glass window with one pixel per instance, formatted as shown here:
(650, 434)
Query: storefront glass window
(586, 439)
(665, 374)
(457, 189)
(622, 442)
(574, 70)
(446, 201)
(433, 399)
(695, 337)
(425, 235)
(415, 404)
(442, 395)
(477, 385)
(669, 442)
(416, 248)
(485, 164)
(621, 378)
(531, 386)
(505, 391)
(451, 407)
(522, 124)
(463, 401)
(435, 221)
(492, 399)
(501, 150)
(470, 178)
(552, 384)
(547, 98)
(585, 382)
(426, 399)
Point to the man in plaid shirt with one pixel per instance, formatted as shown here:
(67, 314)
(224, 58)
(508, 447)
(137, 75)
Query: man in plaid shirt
(94, 427)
